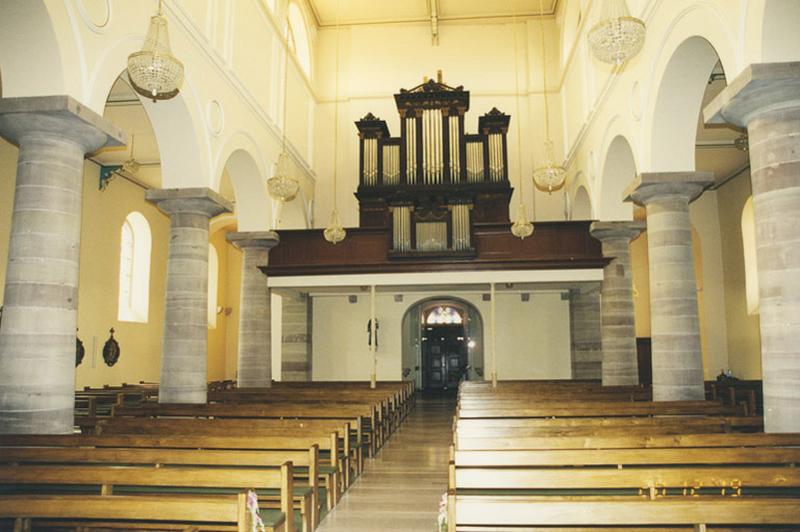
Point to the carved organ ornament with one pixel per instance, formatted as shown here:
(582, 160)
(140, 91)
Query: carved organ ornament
(429, 181)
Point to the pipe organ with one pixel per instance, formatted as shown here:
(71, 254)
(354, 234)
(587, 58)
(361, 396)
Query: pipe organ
(434, 181)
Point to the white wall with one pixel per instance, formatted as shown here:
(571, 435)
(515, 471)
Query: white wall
(532, 337)
(376, 61)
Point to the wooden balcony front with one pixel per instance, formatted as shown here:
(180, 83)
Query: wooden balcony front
(553, 245)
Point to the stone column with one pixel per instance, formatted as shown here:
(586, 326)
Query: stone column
(674, 317)
(620, 360)
(296, 348)
(184, 352)
(254, 363)
(765, 98)
(37, 335)
(585, 336)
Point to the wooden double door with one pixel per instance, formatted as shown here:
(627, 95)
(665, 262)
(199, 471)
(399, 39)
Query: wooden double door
(444, 357)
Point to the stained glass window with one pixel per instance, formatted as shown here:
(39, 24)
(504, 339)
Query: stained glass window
(444, 316)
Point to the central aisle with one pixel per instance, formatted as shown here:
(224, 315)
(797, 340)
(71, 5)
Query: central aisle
(402, 487)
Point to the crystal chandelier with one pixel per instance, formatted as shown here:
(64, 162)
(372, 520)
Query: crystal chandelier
(282, 186)
(335, 233)
(522, 227)
(618, 36)
(154, 72)
(550, 176)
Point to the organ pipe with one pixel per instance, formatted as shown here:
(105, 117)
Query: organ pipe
(391, 164)
(401, 217)
(461, 228)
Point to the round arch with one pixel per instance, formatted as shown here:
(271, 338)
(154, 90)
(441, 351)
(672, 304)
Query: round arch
(780, 40)
(619, 169)
(412, 336)
(696, 39)
(27, 37)
(771, 31)
(177, 123)
(582, 205)
(678, 104)
(253, 208)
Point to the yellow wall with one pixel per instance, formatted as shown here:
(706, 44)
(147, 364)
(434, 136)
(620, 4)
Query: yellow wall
(234, 282)
(223, 339)
(103, 215)
(730, 338)
(8, 171)
(140, 343)
(744, 338)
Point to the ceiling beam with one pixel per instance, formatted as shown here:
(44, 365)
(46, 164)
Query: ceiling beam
(433, 6)
(550, 11)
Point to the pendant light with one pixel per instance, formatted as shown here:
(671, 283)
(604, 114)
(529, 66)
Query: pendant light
(551, 175)
(335, 233)
(154, 72)
(618, 36)
(522, 227)
(283, 186)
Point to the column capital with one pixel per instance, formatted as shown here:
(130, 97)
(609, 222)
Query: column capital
(627, 231)
(58, 116)
(201, 200)
(653, 186)
(253, 239)
(760, 88)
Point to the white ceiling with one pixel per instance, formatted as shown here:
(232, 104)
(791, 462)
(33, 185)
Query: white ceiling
(394, 11)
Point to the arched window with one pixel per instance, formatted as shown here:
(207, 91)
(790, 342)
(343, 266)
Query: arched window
(750, 265)
(134, 269)
(213, 285)
(297, 37)
(444, 316)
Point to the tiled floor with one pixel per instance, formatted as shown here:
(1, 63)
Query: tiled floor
(401, 488)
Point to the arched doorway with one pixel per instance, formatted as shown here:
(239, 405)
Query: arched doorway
(442, 344)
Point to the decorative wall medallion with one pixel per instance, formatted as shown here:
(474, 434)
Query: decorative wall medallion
(80, 351)
(215, 117)
(111, 350)
(636, 101)
(96, 14)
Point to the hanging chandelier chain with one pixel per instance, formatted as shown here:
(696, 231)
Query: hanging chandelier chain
(519, 114)
(336, 110)
(544, 73)
(285, 84)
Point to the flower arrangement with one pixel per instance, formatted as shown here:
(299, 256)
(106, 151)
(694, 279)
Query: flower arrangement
(442, 518)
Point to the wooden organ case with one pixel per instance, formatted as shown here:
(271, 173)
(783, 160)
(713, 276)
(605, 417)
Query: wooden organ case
(434, 182)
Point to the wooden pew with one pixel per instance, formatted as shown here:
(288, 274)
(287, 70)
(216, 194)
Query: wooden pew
(506, 513)
(598, 409)
(128, 512)
(347, 413)
(324, 434)
(307, 500)
(531, 427)
(572, 457)
(242, 444)
(162, 482)
(626, 441)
